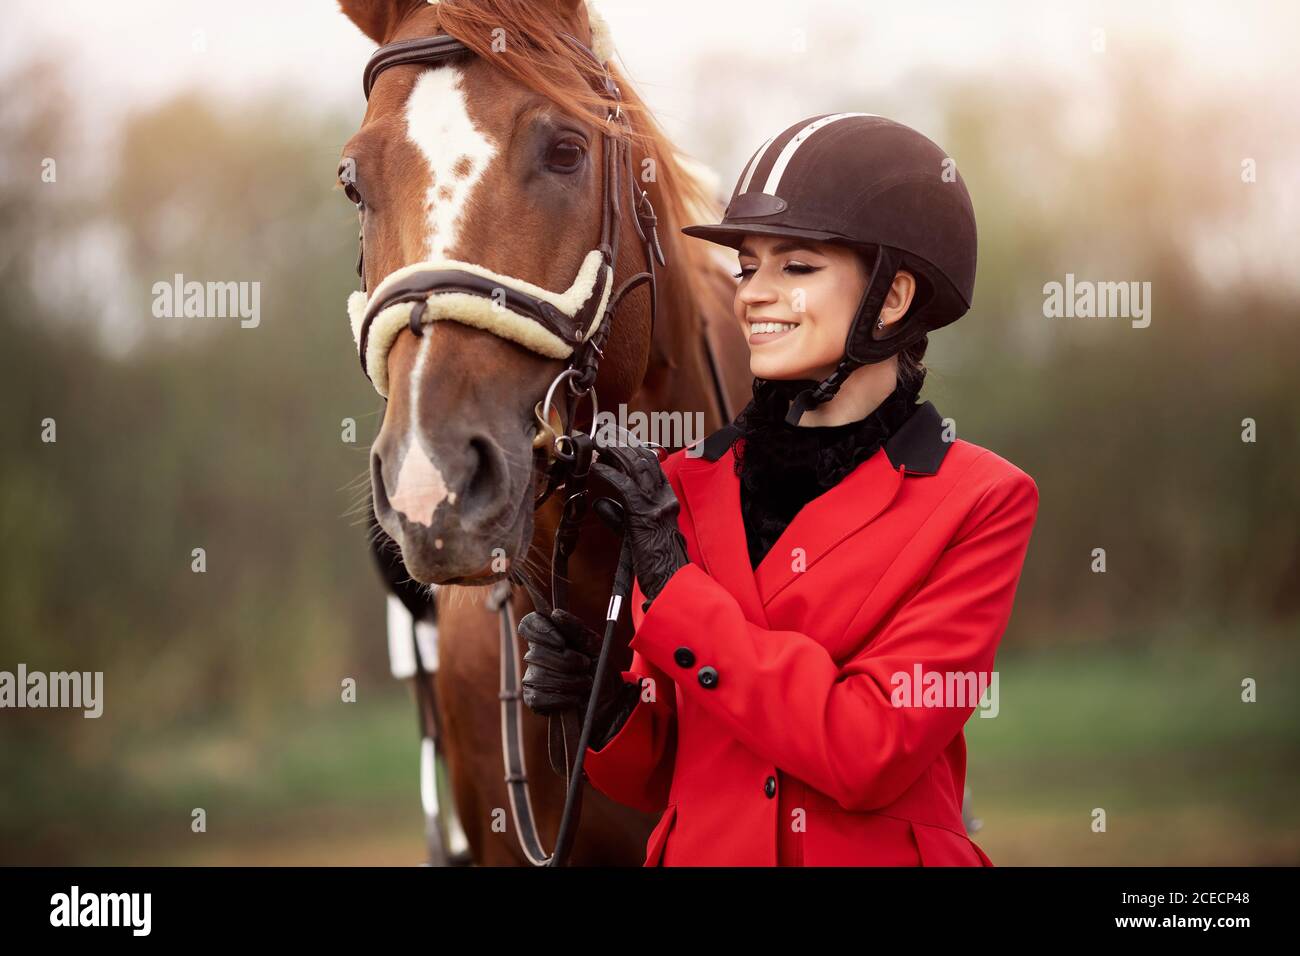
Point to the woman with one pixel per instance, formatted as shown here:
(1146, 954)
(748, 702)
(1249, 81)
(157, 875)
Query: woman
(806, 572)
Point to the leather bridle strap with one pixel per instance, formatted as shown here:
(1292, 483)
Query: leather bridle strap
(419, 50)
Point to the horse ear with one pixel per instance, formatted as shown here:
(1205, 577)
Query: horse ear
(584, 11)
(378, 18)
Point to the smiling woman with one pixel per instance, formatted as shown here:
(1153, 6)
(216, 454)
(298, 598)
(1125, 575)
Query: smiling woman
(857, 236)
(756, 715)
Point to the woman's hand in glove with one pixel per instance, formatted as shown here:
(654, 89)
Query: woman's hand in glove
(561, 658)
(650, 508)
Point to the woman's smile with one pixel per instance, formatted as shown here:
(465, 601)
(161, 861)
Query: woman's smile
(762, 332)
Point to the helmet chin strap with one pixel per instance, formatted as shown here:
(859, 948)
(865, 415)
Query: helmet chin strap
(825, 390)
(860, 347)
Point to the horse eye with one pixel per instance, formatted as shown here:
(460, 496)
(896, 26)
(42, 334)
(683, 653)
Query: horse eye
(565, 156)
(348, 178)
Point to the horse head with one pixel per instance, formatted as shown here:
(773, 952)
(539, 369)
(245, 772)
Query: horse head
(483, 182)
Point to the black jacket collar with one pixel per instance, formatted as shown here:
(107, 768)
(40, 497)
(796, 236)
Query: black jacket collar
(918, 444)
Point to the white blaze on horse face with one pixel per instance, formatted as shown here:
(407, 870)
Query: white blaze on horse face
(420, 485)
(420, 488)
(454, 149)
(456, 154)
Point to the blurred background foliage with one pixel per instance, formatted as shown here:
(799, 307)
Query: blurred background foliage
(1119, 689)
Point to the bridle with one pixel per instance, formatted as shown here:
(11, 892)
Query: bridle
(572, 325)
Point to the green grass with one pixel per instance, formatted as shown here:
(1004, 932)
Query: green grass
(1154, 733)
(306, 787)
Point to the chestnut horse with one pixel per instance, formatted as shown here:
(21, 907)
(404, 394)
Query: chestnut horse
(495, 159)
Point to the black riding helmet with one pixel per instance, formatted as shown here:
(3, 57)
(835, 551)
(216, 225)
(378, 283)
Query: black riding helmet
(864, 181)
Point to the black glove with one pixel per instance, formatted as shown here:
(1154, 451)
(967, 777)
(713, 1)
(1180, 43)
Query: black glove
(561, 658)
(650, 508)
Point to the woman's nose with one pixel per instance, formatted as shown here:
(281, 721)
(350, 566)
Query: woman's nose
(756, 289)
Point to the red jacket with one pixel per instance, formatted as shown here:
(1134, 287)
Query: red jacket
(783, 681)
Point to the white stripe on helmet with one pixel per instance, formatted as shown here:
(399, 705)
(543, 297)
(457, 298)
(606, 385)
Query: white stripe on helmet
(774, 177)
(753, 165)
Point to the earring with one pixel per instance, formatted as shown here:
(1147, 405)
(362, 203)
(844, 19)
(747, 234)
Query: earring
(880, 323)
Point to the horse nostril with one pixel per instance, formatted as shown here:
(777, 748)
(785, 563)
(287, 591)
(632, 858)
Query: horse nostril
(484, 470)
(381, 502)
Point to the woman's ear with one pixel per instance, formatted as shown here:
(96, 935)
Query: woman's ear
(897, 301)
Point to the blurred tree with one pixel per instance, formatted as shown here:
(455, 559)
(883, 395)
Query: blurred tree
(203, 433)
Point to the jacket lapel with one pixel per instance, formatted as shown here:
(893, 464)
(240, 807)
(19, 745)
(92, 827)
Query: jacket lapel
(824, 522)
(712, 492)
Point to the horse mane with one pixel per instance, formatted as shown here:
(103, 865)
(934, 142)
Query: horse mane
(523, 41)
